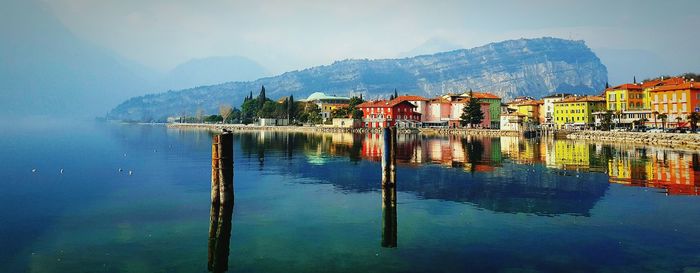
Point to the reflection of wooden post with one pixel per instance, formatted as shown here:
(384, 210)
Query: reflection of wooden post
(219, 237)
(389, 223)
(389, 226)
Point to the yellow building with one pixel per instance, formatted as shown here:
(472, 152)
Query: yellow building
(577, 111)
(530, 110)
(625, 97)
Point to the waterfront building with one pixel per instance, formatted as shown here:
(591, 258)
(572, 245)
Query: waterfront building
(446, 111)
(327, 103)
(577, 111)
(421, 103)
(529, 109)
(494, 110)
(385, 113)
(676, 101)
(624, 97)
(548, 108)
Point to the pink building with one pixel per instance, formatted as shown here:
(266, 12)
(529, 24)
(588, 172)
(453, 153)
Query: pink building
(446, 112)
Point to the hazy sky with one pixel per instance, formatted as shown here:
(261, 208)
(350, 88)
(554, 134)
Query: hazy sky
(286, 35)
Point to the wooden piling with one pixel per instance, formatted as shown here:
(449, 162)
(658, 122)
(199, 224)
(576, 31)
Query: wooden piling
(215, 199)
(389, 157)
(221, 212)
(225, 164)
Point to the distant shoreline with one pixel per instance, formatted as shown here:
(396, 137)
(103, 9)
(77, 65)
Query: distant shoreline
(328, 129)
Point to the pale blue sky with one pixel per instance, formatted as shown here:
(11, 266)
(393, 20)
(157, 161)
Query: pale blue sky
(286, 35)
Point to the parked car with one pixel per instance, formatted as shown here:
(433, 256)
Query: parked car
(656, 130)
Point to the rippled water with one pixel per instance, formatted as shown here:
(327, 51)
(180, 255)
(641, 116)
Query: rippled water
(312, 202)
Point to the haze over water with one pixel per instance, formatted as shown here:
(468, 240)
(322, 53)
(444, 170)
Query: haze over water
(313, 202)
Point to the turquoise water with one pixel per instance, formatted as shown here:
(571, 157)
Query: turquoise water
(310, 203)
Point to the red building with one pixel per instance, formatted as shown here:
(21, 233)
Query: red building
(383, 113)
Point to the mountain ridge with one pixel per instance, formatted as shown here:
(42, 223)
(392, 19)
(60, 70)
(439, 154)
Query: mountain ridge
(530, 67)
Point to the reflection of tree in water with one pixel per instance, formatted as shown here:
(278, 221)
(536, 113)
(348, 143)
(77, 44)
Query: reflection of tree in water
(474, 149)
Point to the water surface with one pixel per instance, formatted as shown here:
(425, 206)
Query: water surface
(313, 202)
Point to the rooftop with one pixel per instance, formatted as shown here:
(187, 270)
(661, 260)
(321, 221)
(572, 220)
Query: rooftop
(322, 96)
(582, 99)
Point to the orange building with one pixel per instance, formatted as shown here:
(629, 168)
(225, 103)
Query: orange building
(676, 101)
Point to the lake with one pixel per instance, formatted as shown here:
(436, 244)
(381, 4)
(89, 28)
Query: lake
(136, 198)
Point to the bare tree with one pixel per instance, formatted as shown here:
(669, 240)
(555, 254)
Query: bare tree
(199, 115)
(225, 111)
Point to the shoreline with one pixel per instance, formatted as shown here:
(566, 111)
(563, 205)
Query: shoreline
(323, 129)
(668, 140)
(689, 142)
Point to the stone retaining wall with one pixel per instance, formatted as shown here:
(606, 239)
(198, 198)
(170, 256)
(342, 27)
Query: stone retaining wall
(322, 129)
(691, 141)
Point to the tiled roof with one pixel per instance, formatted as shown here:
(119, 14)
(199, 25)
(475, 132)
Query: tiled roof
(582, 99)
(682, 86)
(412, 98)
(383, 103)
(484, 95)
(626, 86)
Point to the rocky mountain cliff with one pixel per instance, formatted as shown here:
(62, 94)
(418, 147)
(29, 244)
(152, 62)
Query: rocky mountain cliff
(525, 67)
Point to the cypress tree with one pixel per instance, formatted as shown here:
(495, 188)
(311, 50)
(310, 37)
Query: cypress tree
(261, 97)
(396, 94)
(471, 113)
(607, 85)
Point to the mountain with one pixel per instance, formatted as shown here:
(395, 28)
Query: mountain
(430, 46)
(524, 67)
(45, 70)
(213, 70)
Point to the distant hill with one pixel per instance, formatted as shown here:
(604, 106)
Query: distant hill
(213, 70)
(46, 70)
(524, 67)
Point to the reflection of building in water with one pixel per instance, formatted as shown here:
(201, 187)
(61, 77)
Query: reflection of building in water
(470, 153)
(572, 155)
(677, 173)
(523, 151)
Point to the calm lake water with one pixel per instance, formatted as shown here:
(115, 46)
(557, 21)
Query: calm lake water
(313, 203)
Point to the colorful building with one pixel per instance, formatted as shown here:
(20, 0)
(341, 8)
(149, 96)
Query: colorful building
(529, 109)
(625, 97)
(446, 111)
(547, 108)
(676, 101)
(577, 111)
(385, 113)
(327, 103)
(494, 110)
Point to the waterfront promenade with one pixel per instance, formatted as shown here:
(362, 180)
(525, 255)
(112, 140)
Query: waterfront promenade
(671, 140)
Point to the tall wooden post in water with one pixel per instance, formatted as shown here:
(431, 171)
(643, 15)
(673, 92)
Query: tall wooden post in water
(222, 168)
(222, 196)
(389, 157)
(389, 223)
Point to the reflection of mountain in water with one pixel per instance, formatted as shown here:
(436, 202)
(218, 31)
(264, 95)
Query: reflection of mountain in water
(486, 182)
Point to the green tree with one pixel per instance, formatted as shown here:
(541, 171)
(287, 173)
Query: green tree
(606, 120)
(357, 113)
(269, 110)
(249, 111)
(663, 118)
(262, 99)
(471, 113)
(314, 113)
(291, 108)
(693, 118)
